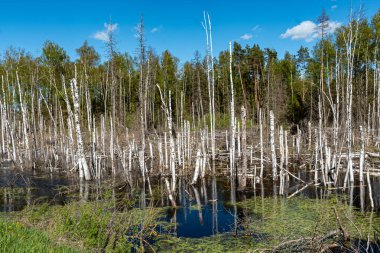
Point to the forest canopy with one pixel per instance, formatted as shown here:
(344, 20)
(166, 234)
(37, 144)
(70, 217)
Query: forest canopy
(289, 86)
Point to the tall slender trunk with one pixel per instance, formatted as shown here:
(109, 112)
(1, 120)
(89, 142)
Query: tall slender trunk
(232, 142)
(24, 118)
(84, 171)
(243, 179)
(272, 146)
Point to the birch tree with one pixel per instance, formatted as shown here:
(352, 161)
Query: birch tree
(232, 113)
(84, 171)
(210, 78)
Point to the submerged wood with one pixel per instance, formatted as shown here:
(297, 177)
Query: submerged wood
(197, 165)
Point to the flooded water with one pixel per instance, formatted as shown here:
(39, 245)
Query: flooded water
(19, 189)
(209, 208)
(205, 209)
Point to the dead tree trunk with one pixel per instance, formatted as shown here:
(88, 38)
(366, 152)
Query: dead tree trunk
(232, 145)
(350, 42)
(84, 171)
(243, 179)
(24, 119)
(168, 113)
(362, 155)
(210, 79)
(272, 146)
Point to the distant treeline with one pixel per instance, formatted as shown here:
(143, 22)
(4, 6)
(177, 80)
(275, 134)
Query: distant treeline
(288, 86)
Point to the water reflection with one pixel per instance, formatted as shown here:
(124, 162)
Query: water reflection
(207, 208)
(362, 197)
(20, 190)
(197, 218)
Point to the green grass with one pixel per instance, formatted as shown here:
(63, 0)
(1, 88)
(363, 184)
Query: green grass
(110, 224)
(94, 226)
(16, 237)
(287, 219)
(218, 243)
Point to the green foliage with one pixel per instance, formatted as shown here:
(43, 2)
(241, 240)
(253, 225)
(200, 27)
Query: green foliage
(169, 68)
(289, 85)
(96, 225)
(54, 56)
(82, 220)
(16, 237)
(222, 121)
(87, 55)
(375, 24)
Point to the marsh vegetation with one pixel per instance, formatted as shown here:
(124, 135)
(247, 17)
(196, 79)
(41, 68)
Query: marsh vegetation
(240, 152)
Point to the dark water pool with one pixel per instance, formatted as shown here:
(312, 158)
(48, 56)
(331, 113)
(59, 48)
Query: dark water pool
(205, 209)
(19, 189)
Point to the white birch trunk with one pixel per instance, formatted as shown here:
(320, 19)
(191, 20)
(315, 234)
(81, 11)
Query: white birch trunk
(210, 79)
(350, 41)
(168, 112)
(24, 119)
(261, 146)
(243, 181)
(362, 155)
(232, 142)
(282, 153)
(369, 189)
(316, 167)
(197, 165)
(272, 146)
(84, 171)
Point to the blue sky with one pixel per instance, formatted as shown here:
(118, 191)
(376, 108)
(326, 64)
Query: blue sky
(284, 25)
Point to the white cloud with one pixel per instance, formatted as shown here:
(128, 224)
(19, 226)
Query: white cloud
(111, 27)
(334, 6)
(256, 28)
(246, 36)
(308, 31)
(154, 30)
(302, 31)
(333, 25)
(103, 34)
(253, 33)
